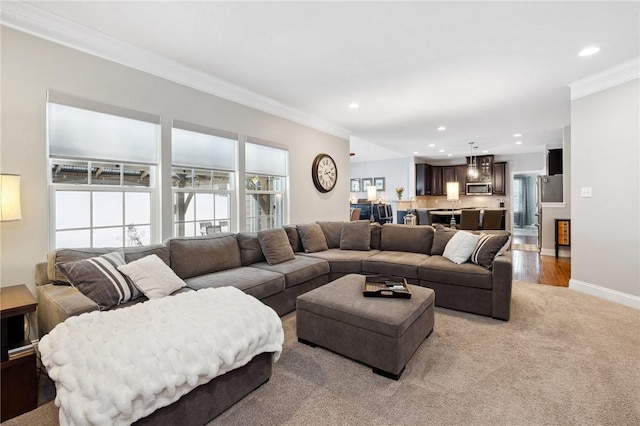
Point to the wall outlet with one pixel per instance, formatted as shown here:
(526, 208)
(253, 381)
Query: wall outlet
(585, 191)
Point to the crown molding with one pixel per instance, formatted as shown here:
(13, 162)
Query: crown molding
(32, 20)
(619, 74)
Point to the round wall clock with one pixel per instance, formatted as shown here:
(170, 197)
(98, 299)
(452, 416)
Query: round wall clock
(324, 172)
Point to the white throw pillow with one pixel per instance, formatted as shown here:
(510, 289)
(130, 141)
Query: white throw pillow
(460, 246)
(152, 276)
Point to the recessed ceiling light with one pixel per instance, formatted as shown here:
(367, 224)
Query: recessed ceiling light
(431, 145)
(353, 105)
(517, 135)
(442, 150)
(442, 129)
(449, 155)
(485, 152)
(415, 153)
(588, 51)
(518, 142)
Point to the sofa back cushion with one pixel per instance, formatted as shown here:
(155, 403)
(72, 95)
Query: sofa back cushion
(250, 250)
(62, 255)
(193, 256)
(332, 232)
(441, 237)
(312, 238)
(409, 238)
(376, 235)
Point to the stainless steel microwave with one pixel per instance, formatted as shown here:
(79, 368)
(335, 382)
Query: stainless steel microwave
(479, 188)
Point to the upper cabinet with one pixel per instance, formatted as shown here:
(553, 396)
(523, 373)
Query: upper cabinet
(436, 181)
(499, 178)
(461, 176)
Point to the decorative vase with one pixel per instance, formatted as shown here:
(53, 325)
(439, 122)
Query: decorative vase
(399, 196)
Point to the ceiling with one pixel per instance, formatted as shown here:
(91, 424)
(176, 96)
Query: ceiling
(485, 70)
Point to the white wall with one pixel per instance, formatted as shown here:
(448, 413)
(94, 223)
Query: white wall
(605, 133)
(31, 65)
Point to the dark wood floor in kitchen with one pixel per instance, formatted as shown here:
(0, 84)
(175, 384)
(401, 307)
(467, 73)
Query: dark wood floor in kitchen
(532, 267)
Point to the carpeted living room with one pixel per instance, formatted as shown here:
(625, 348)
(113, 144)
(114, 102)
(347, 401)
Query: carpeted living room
(233, 213)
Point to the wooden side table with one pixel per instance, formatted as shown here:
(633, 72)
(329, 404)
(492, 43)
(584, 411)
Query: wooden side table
(18, 373)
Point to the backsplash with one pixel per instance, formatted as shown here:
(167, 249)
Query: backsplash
(487, 201)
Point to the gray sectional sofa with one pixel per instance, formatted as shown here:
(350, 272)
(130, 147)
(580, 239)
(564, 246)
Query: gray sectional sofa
(276, 266)
(238, 260)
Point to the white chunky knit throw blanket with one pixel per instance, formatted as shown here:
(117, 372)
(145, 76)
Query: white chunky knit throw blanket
(115, 367)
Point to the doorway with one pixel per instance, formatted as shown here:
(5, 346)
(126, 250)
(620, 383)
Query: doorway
(526, 212)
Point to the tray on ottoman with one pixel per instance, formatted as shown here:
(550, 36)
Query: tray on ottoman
(378, 331)
(386, 286)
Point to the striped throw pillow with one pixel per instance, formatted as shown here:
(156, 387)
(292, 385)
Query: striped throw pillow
(488, 247)
(98, 278)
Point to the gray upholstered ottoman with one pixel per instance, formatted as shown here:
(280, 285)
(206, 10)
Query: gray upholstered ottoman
(380, 332)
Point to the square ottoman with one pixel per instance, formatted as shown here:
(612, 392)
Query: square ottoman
(380, 332)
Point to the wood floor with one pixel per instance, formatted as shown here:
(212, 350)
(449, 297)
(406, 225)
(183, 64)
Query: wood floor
(532, 267)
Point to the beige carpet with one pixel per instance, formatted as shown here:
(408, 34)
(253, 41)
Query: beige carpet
(564, 358)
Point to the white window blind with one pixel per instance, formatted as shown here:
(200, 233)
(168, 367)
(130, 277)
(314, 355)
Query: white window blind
(261, 159)
(200, 150)
(82, 133)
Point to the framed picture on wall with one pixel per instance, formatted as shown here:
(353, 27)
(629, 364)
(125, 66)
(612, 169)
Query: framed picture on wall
(355, 185)
(379, 183)
(366, 182)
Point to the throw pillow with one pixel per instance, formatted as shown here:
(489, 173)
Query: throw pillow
(312, 238)
(460, 246)
(152, 276)
(355, 235)
(275, 245)
(98, 278)
(441, 238)
(487, 248)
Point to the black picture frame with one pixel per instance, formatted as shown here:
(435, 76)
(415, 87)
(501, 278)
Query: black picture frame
(379, 183)
(355, 185)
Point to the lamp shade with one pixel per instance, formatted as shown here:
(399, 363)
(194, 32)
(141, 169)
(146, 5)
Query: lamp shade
(371, 193)
(453, 191)
(10, 198)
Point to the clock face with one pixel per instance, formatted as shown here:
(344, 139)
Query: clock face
(324, 173)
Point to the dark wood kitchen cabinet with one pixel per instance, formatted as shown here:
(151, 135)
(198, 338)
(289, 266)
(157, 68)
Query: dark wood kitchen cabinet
(436, 181)
(423, 179)
(500, 178)
(461, 176)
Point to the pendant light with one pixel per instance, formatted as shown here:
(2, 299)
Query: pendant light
(472, 171)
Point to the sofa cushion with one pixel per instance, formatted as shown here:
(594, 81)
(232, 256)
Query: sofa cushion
(294, 238)
(341, 261)
(441, 270)
(460, 246)
(312, 238)
(488, 247)
(62, 255)
(332, 232)
(193, 256)
(355, 235)
(152, 276)
(408, 238)
(297, 271)
(250, 250)
(402, 264)
(275, 245)
(376, 234)
(441, 237)
(255, 282)
(98, 278)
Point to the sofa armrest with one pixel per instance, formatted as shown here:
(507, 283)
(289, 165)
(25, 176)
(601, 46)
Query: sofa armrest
(40, 276)
(502, 282)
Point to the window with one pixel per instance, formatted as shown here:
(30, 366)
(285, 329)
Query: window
(103, 169)
(265, 186)
(203, 180)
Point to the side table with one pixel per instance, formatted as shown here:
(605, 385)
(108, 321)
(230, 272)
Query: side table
(18, 376)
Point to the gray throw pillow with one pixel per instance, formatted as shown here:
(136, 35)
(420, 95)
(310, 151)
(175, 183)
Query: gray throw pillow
(312, 238)
(275, 245)
(355, 235)
(440, 239)
(332, 233)
(98, 278)
(250, 250)
(487, 248)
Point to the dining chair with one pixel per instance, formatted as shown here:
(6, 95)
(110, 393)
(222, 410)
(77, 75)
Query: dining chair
(470, 219)
(493, 219)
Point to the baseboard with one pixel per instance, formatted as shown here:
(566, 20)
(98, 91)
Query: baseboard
(605, 293)
(552, 252)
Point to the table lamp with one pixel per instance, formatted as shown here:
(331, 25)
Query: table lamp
(453, 195)
(371, 196)
(10, 198)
